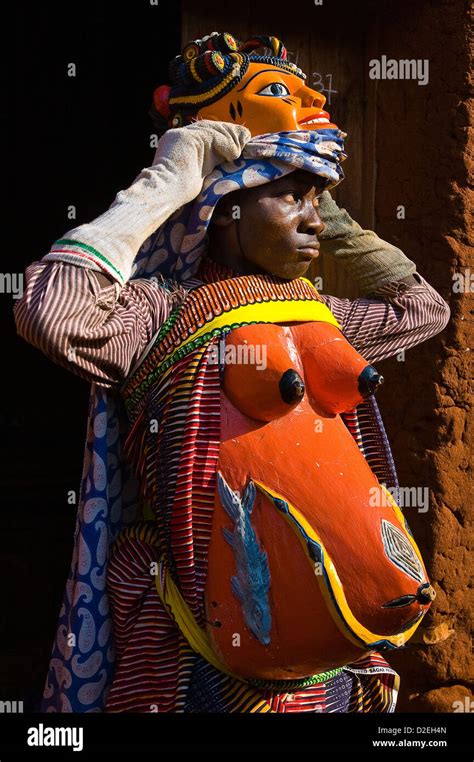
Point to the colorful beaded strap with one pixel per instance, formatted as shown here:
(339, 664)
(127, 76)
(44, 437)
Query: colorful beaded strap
(291, 685)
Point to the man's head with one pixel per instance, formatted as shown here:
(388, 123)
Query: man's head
(223, 79)
(271, 228)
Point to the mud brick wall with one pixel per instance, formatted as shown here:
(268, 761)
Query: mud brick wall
(423, 163)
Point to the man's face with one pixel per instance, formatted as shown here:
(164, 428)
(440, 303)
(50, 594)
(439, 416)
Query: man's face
(269, 99)
(278, 226)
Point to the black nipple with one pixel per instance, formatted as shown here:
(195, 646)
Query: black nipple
(425, 594)
(369, 381)
(291, 387)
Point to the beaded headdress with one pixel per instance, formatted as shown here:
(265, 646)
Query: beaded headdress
(207, 69)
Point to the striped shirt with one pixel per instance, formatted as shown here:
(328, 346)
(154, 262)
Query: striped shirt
(101, 332)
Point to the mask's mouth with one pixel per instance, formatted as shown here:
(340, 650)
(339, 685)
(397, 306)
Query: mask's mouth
(319, 118)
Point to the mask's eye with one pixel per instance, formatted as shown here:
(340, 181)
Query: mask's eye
(276, 89)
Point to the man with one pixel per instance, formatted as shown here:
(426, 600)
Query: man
(85, 307)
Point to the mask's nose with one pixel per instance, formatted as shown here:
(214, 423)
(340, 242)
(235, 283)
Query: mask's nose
(310, 97)
(369, 381)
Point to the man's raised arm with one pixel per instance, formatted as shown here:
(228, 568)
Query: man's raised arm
(79, 306)
(399, 309)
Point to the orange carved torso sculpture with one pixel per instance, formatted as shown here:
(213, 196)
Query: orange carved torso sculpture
(311, 562)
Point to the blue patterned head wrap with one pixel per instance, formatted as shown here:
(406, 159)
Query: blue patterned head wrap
(175, 249)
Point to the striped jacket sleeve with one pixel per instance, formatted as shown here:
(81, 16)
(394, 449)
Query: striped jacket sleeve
(98, 333)
(398, 315)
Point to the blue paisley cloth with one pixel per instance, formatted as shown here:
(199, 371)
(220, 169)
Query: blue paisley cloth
(82, 661)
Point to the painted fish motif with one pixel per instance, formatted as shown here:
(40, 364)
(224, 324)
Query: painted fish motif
(252, 582)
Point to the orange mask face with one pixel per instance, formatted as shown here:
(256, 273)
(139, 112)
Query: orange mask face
(268, 99)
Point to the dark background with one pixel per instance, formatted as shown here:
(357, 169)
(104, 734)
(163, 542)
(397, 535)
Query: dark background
(70, 141)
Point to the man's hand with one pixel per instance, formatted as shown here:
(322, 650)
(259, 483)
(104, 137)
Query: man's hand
(184, 157)
(193, 151)
(369, 260)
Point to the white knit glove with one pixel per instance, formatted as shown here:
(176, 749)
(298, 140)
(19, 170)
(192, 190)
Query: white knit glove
(183, 159)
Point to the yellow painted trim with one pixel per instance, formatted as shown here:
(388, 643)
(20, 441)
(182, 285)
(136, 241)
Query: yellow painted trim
(197, 638)
(193, 70)
(206, 95)
(275, 43)
(349, 623)
(266, 312)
